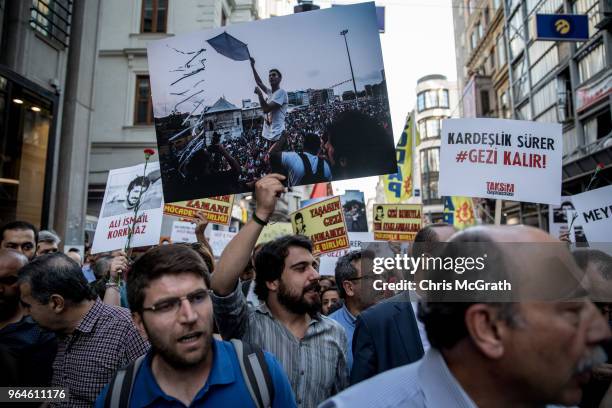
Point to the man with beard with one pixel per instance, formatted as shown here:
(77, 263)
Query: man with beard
(356, 289)
(529, 347)
(311, 348)
(168, 291)
(20, 236)
(20, 337)
(94, 339)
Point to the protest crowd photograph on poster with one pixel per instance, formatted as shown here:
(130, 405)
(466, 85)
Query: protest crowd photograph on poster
(235, 103)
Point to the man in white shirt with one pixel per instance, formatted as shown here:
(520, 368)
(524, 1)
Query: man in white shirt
(274, 103)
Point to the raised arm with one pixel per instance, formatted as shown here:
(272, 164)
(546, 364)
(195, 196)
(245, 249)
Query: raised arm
(237, 254)
(258, 80)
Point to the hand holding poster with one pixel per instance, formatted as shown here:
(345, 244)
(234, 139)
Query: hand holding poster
(595, 213)
(124, 188)
(559, 219)
(499, 158)
(183, 231)
(217, 210)
(397, 222)
(323, 223)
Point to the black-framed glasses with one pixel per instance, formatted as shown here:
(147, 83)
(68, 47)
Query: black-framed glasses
(8, 280)
(173, 305)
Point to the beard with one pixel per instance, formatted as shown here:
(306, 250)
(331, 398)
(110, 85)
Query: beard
(8, 307)
(171, 356)
(297, 303)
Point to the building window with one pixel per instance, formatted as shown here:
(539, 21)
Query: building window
(519, 79)
(421, 102)
(590, 8)
(143, 111)
(592, 63)
(51, 18)
(515, 31)
(429, 128)
(544, 66)
(430, 170)
(597, 127)
(432, 98)
(154, 16)
(504, 106)
(496, 4)
(544, 98)
(474, 37)
(500, 49)
(485, 103)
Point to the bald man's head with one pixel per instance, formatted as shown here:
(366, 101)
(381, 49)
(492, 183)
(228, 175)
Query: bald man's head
(11, 262)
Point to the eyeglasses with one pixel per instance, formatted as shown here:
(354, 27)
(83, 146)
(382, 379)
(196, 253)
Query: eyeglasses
(173, 305)
(8, 280)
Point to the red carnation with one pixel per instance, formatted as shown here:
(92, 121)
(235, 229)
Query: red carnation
(148, 153)
(600, 166)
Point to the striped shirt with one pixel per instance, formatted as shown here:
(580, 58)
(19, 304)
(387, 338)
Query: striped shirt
(315, 365)
(86, 360)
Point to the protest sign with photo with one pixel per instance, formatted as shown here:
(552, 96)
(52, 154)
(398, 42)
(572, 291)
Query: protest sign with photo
(500, 159)
(183, 231)
(234, 103)
(218, 241)
(323, 223)
(327, 262)
(560, 218)
(595, 213)
(274, 230)
(397, 222)
(218, 210)
(126, 189)
(353, 204)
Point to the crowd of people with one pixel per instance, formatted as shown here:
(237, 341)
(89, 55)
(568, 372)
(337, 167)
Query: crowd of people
(172, 326)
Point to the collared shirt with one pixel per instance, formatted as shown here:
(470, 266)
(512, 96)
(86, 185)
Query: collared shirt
(224, 388)
(105, 340)
(315, 365)
(427, 383)
(33, 348)
(420, 326)
(347, 321)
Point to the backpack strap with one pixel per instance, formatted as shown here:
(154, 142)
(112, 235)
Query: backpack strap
(320, 168)
(120, 390)
(255, 372)
(308, 175)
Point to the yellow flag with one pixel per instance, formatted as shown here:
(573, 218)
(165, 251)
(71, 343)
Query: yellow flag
(459, 211)
(398, 186)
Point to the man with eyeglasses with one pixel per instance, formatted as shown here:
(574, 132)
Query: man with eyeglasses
(356, 289)
(94, 339)
(168, 291)
(21, 339)
(20, 236)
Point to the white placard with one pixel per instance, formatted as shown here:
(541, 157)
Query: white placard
(595, 213)
(500, 159)
(218, 241)
(183, 231)
(327, 262)
(123, 188)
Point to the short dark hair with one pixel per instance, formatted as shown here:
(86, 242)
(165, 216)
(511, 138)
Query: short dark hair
(56, 273)
(312, 143)
(74, 250)
(345, 270)
(18, 225)
(379, 207)
(331, 288)
(445, 321)
(426, 238)
(140, 181)
(270, 261)
(298, 215)
(277, 71)
(159, 261)
(602, 261)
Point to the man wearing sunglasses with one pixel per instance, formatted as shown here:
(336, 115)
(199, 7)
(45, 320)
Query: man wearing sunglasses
(20, 236)
(168, 291)
(20, 337)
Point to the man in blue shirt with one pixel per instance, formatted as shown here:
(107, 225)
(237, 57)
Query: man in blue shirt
(358, 293)
(168, 291)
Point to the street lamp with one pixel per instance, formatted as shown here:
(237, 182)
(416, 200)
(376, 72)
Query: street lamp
(305, 5)
(344, 33)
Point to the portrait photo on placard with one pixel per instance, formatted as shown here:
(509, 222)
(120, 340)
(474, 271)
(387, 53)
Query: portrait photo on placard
(303, 95)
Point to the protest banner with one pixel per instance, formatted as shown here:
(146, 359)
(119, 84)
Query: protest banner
(323, 223)
(398, 186)
(353, 204)
(397, 222)
(214, 131)
(274, 230)
(183, 231)
(561, 216)
(124, 188)
(218, 241)
(501, 159)
(459, 212)
(327, 262)
(218, 209)
(595, 213)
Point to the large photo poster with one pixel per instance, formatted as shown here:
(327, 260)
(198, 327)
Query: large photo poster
(303, 95)
(126, 189)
